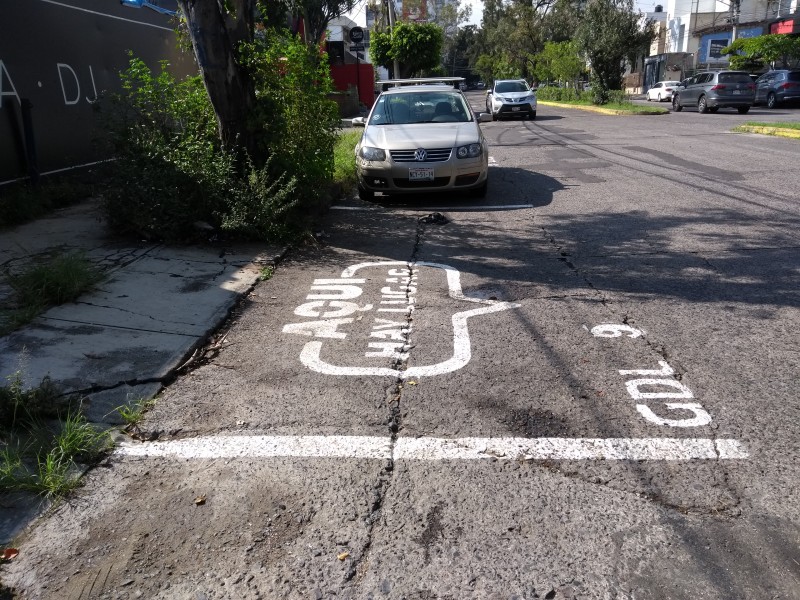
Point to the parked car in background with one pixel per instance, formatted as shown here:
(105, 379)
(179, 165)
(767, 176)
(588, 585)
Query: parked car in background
(511, 97)
(711, 90)
(421, 136)
(662, 91)
(776, 87)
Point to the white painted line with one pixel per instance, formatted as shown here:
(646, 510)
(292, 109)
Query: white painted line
(260, 446)
(338, 207)
(266, 446)
(567, 449)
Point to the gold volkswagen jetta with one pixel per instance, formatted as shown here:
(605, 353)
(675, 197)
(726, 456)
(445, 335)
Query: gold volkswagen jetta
(422, 136)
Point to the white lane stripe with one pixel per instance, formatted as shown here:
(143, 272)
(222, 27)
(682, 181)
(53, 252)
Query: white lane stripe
(265, 446)
(261, 446)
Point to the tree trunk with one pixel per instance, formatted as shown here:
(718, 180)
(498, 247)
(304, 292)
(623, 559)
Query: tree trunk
(216, 34)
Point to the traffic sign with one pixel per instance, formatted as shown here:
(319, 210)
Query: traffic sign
(356, 34)
(356, 47)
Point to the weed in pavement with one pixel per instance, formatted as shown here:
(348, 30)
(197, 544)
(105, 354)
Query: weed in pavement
(19, 405)
(265, 274)
(132, 414)
(40, 454)
(82, 441)
(62, 279)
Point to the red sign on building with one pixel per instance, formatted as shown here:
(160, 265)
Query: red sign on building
(786, 26)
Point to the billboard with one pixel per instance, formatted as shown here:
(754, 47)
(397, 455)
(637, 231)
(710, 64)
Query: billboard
(57, 58)
(415, 10)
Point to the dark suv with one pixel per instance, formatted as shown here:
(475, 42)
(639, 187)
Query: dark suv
(712, 90)
(778, 86)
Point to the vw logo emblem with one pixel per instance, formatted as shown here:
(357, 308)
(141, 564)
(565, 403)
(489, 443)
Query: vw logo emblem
(420, 154)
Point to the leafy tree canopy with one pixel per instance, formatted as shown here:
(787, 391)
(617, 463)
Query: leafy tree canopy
(559, 61)
(416, 46)
(608, 34)
(756, 52)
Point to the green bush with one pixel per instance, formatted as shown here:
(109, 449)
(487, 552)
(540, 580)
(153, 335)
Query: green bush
(592, 96)
(172, 178)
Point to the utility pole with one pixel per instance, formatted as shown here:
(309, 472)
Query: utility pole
(392, 19)
(735, 5)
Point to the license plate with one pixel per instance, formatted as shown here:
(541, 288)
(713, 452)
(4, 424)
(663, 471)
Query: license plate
(515, 108)
(420, 174)
(737, 92)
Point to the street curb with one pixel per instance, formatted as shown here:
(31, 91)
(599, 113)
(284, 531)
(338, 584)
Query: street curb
(603, 111)
(773, 131)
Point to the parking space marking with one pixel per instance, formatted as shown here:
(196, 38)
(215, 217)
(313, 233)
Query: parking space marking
(427, 448)
(330, 301)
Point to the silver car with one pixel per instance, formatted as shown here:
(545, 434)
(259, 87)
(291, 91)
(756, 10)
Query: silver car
(712, 90)
(511, 97)
(421, 137)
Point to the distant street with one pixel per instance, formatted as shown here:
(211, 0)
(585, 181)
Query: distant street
(583, 386)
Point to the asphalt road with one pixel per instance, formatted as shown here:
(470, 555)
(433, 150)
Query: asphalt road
(583, 386)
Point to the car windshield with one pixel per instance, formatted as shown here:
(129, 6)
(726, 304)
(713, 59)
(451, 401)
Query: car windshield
(734, 78)
(505, 87)
(793, 75)
(672, 83)
(421, 107)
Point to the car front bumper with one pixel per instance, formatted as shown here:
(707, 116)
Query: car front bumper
(513, 108)
(398, 177)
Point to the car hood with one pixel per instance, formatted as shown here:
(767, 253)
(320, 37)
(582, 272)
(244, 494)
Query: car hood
(421, 135)
(514, 95)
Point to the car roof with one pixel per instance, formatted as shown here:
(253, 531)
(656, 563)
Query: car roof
(415, 89)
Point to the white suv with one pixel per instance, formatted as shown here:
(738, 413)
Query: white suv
(509, 97)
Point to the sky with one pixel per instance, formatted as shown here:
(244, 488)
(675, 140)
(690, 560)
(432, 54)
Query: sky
(358, 15)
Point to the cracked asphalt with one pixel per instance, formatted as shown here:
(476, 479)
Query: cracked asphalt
(583, 386)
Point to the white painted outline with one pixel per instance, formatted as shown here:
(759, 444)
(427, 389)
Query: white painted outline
(429, 449)
(462, 351)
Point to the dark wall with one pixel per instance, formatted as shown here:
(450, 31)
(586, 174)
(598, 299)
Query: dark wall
(59, 55)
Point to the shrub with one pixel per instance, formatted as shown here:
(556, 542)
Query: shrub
(173, 173)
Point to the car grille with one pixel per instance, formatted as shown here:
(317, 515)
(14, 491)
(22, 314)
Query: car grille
(432, 155)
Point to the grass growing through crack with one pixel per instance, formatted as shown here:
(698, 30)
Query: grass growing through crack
(61, 279)
(40, 453)
(132, 414)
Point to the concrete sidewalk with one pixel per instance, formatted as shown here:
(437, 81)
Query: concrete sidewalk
(155, 305)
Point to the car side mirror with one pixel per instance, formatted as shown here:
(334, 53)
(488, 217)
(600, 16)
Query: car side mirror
(484, 118)
(358, 122)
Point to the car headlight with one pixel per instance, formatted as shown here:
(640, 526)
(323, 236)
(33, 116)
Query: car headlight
(369, 153)
(469, 151)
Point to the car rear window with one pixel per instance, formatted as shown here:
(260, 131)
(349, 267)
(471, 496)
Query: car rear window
(793, 75)
(734, 78)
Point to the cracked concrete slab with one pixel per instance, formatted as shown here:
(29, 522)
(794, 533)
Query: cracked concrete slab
(154, 307)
